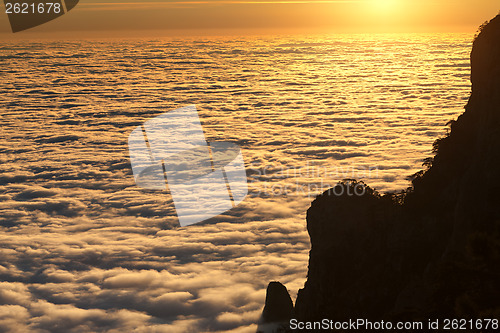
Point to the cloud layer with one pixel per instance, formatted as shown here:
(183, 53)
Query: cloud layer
(85, 250)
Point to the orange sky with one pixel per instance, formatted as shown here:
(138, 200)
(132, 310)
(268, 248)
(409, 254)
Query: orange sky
(288, 16)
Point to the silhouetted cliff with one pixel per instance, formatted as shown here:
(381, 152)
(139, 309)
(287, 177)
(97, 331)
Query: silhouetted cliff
(277, 311)
(431, 251)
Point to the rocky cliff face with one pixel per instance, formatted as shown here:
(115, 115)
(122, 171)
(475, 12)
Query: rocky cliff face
(431, 251)
(278, 309)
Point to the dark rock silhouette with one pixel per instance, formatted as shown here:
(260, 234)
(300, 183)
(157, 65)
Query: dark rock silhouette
(279, 305)
(278, 309)
(431, 251)
(349, 267)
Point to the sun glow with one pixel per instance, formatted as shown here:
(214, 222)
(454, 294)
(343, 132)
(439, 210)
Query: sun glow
(385, 7)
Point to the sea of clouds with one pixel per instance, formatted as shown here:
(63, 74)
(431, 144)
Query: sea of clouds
(83, 249)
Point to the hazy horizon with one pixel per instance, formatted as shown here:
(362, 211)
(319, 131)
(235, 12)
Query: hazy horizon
(92, 19)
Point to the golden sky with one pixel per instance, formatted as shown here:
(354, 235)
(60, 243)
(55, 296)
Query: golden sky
(287, 16)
